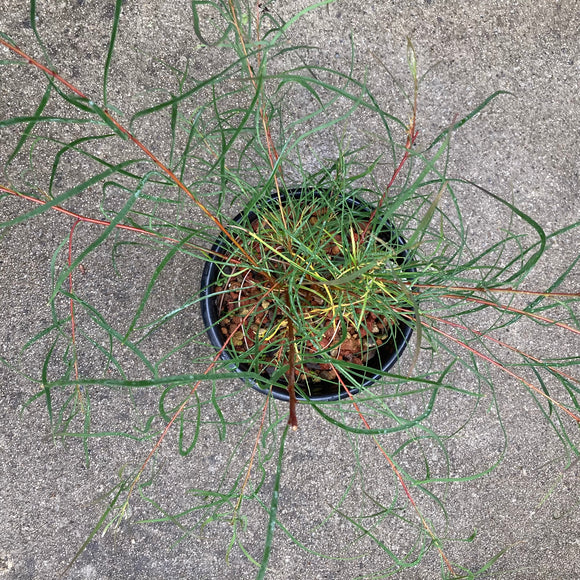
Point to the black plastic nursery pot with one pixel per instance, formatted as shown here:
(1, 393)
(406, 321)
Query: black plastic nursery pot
(386, 355)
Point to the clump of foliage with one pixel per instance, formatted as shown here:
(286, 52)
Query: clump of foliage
(309, 285)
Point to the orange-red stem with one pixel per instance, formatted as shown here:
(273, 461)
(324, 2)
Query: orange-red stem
(136, 141)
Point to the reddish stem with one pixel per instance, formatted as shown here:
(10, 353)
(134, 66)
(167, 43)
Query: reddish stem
(410, 142)
(396, 472)
(292, 419)
(119, 226)
(49, 72)
(136, 141)
(503, 368)
(502, 344)
(248, 473)
(216, 358)
(505, 308)
(484, 289)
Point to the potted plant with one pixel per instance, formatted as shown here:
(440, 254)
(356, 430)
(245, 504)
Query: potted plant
(309, 284)
(350, 291)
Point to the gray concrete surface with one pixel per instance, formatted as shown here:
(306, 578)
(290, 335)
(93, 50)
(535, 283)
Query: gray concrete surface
(526, 145)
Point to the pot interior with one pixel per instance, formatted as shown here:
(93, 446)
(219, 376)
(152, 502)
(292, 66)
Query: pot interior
(385, 355)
